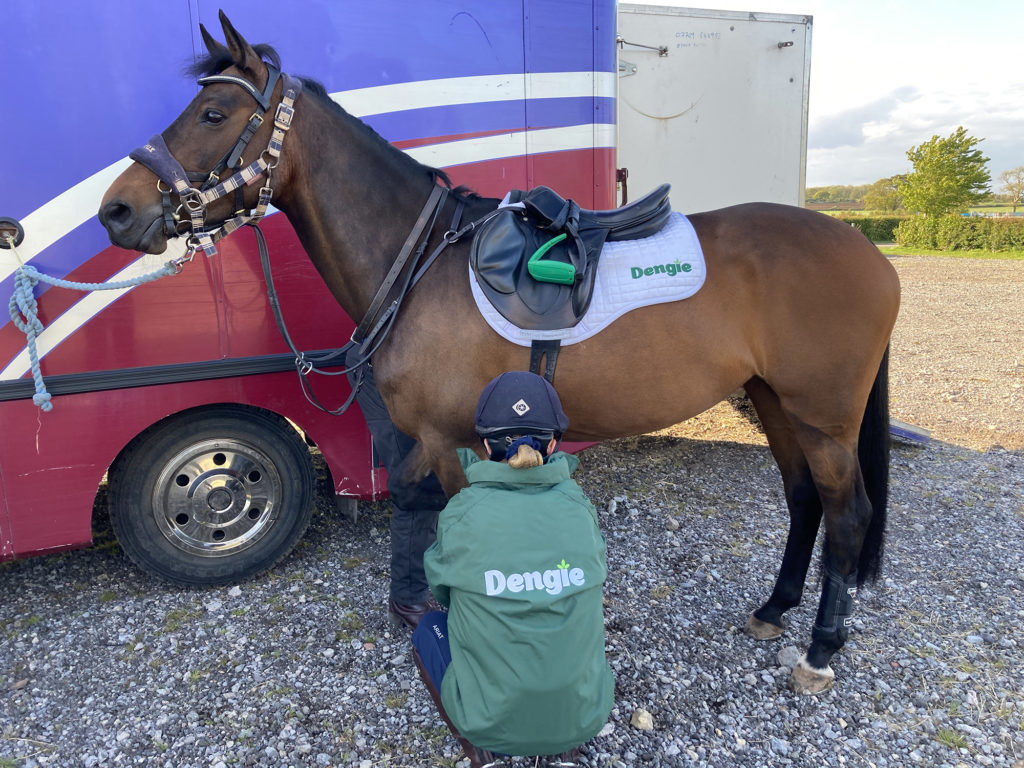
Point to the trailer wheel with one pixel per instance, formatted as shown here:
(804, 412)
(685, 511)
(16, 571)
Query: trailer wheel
(213, 497)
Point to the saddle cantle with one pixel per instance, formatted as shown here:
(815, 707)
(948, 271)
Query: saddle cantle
(536, 259)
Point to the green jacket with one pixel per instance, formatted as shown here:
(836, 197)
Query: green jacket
(520, 561)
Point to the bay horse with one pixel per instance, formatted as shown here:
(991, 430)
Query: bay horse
(797, 309)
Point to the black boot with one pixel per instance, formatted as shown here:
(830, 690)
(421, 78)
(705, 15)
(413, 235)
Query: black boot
(478, 758)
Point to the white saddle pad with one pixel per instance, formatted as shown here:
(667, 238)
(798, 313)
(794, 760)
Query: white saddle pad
(668, 266)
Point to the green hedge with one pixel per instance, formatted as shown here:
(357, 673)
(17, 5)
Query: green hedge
(878, 229)
(960, 233)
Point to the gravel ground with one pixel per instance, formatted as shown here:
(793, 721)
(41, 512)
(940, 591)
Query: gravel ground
(102, 666)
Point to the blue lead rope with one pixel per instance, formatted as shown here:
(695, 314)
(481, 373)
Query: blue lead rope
(24, 310)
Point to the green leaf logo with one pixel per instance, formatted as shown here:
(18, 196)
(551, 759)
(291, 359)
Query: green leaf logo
(563, 565)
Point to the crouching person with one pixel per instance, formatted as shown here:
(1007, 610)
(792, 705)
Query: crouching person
(517, 664)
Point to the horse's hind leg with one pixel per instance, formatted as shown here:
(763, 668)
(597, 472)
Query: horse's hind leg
(847, 513)
(822, 478)
(804, 505)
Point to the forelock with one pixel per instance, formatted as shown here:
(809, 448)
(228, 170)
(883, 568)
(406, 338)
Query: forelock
(215, 63)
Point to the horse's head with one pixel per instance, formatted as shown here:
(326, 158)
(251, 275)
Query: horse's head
(205, 144)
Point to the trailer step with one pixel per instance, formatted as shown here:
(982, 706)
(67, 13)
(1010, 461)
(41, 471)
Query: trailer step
(909, 432)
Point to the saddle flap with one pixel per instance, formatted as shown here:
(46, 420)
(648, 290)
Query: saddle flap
(497, 250)
(500, 257)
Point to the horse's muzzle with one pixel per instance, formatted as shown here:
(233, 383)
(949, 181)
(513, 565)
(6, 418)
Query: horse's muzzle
(127, 229)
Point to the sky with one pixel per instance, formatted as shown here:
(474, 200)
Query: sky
(887, 75)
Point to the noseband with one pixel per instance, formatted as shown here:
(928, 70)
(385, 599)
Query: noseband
(194, 200)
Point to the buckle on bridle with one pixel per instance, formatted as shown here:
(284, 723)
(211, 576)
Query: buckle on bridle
(192, 201)
(283, 116)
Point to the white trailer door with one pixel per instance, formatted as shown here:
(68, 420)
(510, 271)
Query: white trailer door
(720, 111)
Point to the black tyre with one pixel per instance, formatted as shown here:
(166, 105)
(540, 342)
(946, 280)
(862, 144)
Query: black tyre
(213, 496)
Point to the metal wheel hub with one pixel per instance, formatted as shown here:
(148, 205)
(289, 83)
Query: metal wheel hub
(217, 497)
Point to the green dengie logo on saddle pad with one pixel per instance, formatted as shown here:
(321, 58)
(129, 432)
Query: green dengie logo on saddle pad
(671, 270)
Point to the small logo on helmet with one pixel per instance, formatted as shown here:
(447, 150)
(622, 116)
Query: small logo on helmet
(521, 407)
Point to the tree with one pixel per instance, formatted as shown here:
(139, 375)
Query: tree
(949, 175)
(836, 193)
(1013, 185)
(884, 195)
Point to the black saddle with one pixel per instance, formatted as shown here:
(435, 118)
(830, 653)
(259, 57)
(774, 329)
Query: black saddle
(536, 263)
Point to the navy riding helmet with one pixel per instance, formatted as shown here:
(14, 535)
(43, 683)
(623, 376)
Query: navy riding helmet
(518, 404)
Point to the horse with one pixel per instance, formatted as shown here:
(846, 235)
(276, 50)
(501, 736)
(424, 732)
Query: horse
(797, 310)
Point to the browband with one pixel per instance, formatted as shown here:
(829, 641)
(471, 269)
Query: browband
(263, 99)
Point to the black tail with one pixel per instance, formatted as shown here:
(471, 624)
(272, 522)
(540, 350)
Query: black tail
(873, 453)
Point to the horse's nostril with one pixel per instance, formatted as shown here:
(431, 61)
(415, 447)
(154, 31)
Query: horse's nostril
(117, 215)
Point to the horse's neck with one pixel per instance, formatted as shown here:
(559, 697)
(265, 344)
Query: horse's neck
(351, 199)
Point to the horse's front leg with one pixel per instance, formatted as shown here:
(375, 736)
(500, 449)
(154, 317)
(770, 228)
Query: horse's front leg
(804, 504)
(406, 489)
(766, 623)
(433, 453)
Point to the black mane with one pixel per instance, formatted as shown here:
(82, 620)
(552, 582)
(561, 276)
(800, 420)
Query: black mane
(215, 63)
(317, 89)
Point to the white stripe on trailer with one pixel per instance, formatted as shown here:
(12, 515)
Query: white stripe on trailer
(443, 92)
(515, 144)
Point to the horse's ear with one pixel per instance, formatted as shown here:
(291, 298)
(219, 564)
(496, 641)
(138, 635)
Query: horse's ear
(241, 52)
(213, 46)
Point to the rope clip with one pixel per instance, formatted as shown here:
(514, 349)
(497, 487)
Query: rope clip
(179, 263)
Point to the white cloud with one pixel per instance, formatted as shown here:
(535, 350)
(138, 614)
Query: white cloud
(849, 127)
(862, 144)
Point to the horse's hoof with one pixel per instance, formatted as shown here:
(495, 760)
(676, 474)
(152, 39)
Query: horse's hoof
(762, 630)
(808, 680)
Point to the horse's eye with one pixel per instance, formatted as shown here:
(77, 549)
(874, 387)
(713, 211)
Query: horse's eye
(213, 117)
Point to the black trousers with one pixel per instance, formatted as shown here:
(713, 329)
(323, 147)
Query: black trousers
(414, 525)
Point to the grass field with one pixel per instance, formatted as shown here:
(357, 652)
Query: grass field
(995, 209)
(983, 210)
(891, 249)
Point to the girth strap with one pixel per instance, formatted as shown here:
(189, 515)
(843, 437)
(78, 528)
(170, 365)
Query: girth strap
(544, 350)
